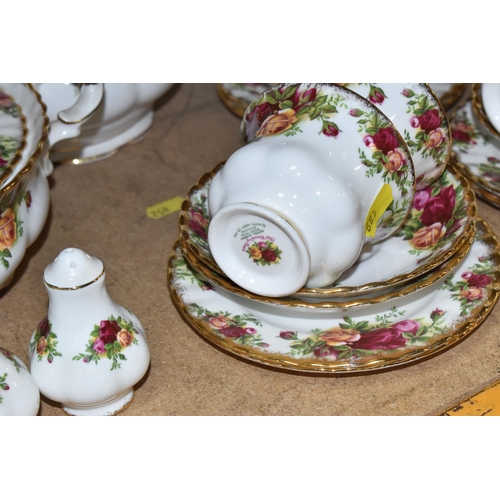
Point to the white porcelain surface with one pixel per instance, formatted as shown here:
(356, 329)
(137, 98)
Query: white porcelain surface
(24, 194)
(19, 395)
(490, 93)
(420, 119)
(124, 116)
(440, 221)
(88, 352)
(321, 176)
(365, 338)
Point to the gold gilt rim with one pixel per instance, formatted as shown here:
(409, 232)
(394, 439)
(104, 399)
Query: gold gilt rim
(479, 111)
(452, 96)
(39, 147)
(487, 196)
(22, 145)
(378, 362)
(338, 291)
(77, 287)
(234, 104)
(467, 172)
(297, 303)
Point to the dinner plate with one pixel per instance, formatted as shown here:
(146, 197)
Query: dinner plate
(475, 150)
(13, 132)
(364, 339)
(440, 222)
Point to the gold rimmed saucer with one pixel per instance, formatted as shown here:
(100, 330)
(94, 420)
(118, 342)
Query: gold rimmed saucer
(452, 95)
(406, 288)
(362, 340)
(194, 221)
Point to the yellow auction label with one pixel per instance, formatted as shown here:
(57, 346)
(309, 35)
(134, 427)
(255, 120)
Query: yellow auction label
(165, 207)
(379, 206)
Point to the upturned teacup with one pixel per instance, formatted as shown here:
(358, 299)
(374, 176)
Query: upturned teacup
(322, 172)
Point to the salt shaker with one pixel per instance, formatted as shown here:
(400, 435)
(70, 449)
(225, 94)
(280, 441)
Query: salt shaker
(88, 352)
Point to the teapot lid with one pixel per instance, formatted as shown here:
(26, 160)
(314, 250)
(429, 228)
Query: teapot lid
(73, 268)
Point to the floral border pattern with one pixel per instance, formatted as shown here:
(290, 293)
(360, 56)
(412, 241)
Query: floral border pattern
(108, 340)
(45, 341)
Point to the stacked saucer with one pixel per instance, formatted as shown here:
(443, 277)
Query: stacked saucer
(476, 146)
(408, 296)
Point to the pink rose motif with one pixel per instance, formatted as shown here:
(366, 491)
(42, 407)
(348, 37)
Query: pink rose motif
(436, 138)
(301, 98)
(478, 280)
(376, 98)
(262, 244)
(386, 338)
(325, 350)
(368, 141)
(5, 101)
(198, 224)
(219, 322)
(430, 120)
(397, 159)
(440, 207)
(98, 346)
(124, 337)
(43, 327)
(414, 122)
(250, 331)
(268, 255)
(355, 112)
(288, 335)
(472, 293)
(427, 236)
(233, 332)
(108, 330)
(385, 140)
(421, 198)
(437, 313)
(3, 162)
(408, 93)
(492, 159)
(330, 130)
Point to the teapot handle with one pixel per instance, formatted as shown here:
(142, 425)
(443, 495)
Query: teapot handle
(70, 121)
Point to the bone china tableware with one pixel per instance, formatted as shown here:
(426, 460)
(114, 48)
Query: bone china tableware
(19, 394)
(421, 120)
(363, 339)
(88, 352)
(24, 191)
(475, 150)
(125, 116)
(441, 220)
(322, 172)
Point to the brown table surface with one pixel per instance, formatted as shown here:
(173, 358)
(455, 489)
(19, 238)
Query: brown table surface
(101, 208)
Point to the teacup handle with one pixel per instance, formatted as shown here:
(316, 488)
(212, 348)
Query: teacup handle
(70, 121)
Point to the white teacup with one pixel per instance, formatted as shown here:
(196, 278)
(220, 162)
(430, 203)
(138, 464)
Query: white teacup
(317, 179)
(490, 94)
(421, 120)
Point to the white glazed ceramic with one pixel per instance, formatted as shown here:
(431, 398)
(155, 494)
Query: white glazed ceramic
(365, 338)
(88, 352)
(420, 119)
(124, 116)
(24, 193)
(441, 220)
(19, 394)
(490, 93)
(295, 205)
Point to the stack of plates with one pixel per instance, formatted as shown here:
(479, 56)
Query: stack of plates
(476, 147)
(407, 297)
